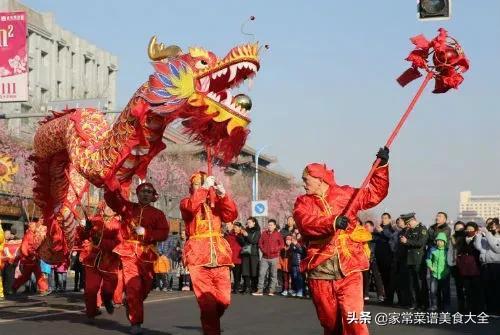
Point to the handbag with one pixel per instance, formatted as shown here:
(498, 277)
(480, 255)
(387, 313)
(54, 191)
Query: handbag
(246, 250)
(467, 265)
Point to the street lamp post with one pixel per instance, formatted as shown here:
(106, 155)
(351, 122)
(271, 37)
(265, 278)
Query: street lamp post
(256, 180)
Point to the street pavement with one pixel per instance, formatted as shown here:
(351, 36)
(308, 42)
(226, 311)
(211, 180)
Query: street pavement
(177, 313)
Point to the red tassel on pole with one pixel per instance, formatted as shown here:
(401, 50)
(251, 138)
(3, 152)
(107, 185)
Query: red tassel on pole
(448, 64)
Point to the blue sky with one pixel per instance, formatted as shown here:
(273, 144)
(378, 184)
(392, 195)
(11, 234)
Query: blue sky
(326, 90)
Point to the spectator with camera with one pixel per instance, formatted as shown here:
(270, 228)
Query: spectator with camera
(488, 244)
(469, 268)
(250, 255)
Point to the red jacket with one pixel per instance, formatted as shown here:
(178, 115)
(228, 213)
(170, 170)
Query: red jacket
(29, 255)
(315, 217)
(205, 245)
(101, 255)
(133, 214)
(271, 244)
(235, 245)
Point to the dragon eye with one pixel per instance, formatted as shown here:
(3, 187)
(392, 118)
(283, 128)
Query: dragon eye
(201, 64)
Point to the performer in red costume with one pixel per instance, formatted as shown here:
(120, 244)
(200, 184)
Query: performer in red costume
(30, 262)
(101, 264)
(206, 253)
(141, 228)
(336, 255)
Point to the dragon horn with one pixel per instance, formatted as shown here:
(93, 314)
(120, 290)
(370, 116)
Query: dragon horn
(159, 51)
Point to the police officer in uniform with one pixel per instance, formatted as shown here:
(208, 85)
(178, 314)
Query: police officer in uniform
(415, 241)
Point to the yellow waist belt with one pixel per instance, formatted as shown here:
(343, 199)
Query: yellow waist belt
(143, 245)
(205, 235)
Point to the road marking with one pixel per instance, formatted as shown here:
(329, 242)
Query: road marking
(67, 311)
(39, 308)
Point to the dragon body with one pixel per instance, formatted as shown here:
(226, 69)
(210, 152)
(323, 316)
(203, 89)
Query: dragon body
(75, 147)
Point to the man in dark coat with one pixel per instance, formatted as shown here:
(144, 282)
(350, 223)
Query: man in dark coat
(415, 241)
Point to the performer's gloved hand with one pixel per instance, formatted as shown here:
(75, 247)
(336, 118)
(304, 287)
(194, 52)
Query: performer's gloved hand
(341, 222)
(220, 190)
(88, 224)
(383, 154)
(209, 182)
(140, 230)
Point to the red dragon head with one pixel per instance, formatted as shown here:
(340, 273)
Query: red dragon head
(196, 87)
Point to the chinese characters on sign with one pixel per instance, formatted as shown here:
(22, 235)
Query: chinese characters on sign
(384, 319)
(13, 57)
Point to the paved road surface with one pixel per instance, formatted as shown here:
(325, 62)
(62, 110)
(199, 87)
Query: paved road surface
(177, 313)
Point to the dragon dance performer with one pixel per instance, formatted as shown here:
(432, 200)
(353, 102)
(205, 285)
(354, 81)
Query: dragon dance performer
(30, 261)
(9, 256)
(101, 264)
(206, 253)
(141, 228)
(335, 255)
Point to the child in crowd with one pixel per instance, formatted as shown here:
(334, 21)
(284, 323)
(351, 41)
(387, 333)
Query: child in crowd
(284, 261)
(46, 273)
(440, 274)
(162, 268)
(298, 253)
(61, 273)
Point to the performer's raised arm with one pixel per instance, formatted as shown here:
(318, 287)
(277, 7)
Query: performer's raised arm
(115, 200)
(224, 205)
(378, 187)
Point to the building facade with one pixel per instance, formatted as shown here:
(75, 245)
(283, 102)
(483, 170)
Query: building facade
(62, 67)
(485, 206)
(64, 70)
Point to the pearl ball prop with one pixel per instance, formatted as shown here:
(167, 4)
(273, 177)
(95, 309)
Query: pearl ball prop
(243, 101)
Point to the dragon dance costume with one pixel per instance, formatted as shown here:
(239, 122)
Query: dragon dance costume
(101, 264)
(206, 253)
(137, 252)
(336, 258)
(29, 259)
(76, 147)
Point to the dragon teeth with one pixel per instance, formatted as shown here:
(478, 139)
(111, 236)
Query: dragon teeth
(250, 83)
(219, 73)
(205, 83)
(233, 70)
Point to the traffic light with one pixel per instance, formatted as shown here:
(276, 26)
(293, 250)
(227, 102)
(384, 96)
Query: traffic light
(434, 9)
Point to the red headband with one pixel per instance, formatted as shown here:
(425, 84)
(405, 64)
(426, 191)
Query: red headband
(320, 171)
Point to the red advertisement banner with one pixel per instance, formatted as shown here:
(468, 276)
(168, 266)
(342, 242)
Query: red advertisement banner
(13, 57)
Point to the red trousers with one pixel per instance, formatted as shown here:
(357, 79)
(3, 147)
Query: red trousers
(335, 299)
(118, 293)
(212, 288)
(138, 281)
(98, 281)
(26, 271)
